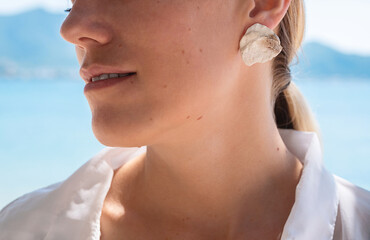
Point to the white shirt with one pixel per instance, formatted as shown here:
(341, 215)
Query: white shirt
(326, 206)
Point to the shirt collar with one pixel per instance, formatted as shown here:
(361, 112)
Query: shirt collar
(80, 198)
(315, 208)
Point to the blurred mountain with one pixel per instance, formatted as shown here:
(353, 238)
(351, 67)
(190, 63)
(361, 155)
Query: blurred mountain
(318, 60)
(30, 45)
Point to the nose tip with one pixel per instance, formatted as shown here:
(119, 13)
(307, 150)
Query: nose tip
(85, 30)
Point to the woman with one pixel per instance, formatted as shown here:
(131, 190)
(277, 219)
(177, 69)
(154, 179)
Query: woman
(206, 139)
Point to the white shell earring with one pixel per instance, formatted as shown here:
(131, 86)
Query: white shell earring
(259, 44)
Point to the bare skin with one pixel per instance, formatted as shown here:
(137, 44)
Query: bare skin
(216, 166)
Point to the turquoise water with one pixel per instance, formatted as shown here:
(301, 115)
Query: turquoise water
(45, 130)
(342, 107)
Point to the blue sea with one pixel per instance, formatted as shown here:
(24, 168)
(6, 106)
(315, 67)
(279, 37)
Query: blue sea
(45, 130)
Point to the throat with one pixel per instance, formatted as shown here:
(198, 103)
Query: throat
(134, 201)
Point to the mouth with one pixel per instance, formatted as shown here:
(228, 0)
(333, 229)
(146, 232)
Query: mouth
(106, 76)
(106, 80)
(96, 72)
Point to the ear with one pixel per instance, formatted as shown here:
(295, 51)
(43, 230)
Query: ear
(269, 12)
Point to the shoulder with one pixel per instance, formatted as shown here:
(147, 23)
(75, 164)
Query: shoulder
(353, 218)
(31, 215)
(353, 197)
(67, 204)
(20, 218)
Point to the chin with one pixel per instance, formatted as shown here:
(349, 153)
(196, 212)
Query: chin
(111, 136)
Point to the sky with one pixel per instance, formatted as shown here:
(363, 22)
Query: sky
(341, 24)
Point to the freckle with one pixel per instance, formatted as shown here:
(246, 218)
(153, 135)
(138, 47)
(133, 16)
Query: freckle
(201, 50)
(199, 118)
(198, 7)
(120, 45)
(183, 51)
(187, 61)
(189, 29)
(188, 117)
(157, 1)
(131, 82)
(278, 149)
(164, 86)
(151, 119)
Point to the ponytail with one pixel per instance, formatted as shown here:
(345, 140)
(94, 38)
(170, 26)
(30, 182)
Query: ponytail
(291, 110)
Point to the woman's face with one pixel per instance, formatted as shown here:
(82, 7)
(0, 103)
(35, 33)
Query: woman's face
(184, 53)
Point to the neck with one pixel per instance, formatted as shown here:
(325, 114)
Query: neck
(218, 170)
(225, 171)
(222, 168)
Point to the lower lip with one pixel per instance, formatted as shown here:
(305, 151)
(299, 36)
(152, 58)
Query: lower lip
(106, 82)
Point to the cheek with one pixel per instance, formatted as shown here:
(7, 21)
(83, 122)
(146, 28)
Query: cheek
(187, 50)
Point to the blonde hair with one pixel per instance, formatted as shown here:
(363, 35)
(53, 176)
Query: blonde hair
(291, 110)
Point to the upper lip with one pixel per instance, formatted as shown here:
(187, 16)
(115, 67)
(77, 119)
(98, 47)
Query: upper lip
(94, 70)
